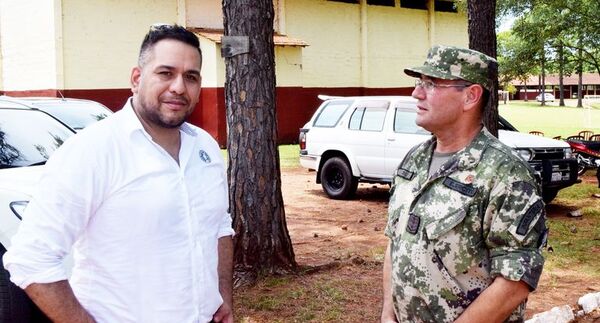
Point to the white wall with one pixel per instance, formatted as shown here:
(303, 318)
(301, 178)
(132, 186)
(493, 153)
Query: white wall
(102, 39)
(30, 41)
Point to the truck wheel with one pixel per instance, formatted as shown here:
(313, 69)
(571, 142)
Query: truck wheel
(548, 195)
(15, 306)
(580, 165)
(337, 179)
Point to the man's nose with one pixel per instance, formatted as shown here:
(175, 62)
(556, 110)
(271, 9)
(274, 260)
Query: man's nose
(177, 85)
(418, 92)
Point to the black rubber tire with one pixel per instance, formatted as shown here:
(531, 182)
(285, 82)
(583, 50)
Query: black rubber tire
(15, 306)
(548, 195)
(337, 180)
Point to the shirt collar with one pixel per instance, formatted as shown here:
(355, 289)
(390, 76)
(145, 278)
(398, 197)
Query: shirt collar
(132, 124)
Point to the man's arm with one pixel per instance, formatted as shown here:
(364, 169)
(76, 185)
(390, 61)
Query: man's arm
(58, 302)
(387, 313)
(496, 302)
(225, 269)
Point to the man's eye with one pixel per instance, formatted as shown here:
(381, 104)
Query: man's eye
(164, 73)
(192, 78)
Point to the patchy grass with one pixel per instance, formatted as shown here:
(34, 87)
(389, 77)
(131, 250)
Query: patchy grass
(551, 120)
(576, 241)
(289, 156)
(331, 295)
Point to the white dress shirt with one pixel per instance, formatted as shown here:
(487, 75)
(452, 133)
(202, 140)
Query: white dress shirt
(144, 229)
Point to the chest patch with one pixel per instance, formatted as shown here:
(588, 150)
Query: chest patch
(464, 189)
(412, 226)
(406, 174)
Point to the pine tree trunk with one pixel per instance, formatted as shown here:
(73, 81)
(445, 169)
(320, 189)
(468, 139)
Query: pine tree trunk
(482, 37)
(262, 242)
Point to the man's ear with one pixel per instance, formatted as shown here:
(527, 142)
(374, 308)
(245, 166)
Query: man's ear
(473, 96)
(136, 74)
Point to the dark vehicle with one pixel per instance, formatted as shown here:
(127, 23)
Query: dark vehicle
(76, 113)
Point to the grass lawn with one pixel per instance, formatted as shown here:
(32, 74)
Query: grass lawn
(551, 120)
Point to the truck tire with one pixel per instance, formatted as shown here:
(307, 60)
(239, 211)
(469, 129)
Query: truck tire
(548, 195)
(15, 306)
(337, 180)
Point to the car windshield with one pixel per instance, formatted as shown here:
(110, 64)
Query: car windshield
(29, 137)
(76, 114)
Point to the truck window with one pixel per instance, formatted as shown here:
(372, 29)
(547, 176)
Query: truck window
(367, 119)
(404, 122)
(331, 113)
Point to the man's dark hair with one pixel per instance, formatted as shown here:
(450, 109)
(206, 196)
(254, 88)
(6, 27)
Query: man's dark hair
(159, 32)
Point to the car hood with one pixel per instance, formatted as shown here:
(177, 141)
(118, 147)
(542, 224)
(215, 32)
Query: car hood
(20, 179)
(524, 140)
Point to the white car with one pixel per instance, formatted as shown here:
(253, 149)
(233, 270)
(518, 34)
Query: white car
(548, 97)
(28, 137)
(76, 113)
(364, 139)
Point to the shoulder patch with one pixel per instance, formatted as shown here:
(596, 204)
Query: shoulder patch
(464, 189)
(528, 217)
(406, 174)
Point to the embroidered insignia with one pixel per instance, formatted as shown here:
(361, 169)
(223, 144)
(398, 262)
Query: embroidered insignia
(413, 223)
(204, 156)
(407, 175)
(464, 189)
(469, 179)
(523, 227)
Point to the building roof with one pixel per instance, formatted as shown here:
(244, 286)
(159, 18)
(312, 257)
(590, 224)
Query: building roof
(552, 79)
(216, 34)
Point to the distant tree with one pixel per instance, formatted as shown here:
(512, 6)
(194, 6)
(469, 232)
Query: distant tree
(262, 242)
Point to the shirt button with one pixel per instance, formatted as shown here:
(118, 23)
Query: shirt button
(434, 259)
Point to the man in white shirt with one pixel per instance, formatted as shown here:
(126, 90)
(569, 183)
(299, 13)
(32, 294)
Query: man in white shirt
(142, 198)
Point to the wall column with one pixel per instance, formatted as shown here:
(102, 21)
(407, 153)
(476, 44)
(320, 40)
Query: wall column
(364, 45)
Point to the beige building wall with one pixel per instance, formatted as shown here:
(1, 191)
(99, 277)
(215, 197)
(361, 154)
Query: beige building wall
(102, 39)
(354, 46)
(332, 30)
(31, 44)
(213, 66)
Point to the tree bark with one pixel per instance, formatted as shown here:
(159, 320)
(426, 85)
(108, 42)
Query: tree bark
(561, 67)
(482, 37)
(262, 244)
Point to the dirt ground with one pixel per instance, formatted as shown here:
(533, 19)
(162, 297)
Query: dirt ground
(346, 238)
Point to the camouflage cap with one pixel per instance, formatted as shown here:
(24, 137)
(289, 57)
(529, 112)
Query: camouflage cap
(455, 63)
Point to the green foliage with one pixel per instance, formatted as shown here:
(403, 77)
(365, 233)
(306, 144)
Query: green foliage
(562, 33)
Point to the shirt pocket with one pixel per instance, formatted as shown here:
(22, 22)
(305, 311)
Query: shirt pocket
(457, 241)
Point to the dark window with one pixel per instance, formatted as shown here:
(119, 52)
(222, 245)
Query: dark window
(346, 1)
(29, 137)
(414, 4)
(389, 3)
(445, 6)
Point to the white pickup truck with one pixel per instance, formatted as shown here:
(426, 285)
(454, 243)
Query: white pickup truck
(364, 139)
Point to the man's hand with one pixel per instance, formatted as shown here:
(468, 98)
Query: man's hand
(225, 269)
(496, 302)
(224, 314)
(387, 313)
(58, 302)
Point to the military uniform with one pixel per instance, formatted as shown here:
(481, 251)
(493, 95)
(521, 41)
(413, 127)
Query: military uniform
(479, 216)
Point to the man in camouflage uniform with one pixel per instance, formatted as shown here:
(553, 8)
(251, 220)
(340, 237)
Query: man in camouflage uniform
(466, 218)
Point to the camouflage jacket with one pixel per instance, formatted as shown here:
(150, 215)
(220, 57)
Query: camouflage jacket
(479, 216)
